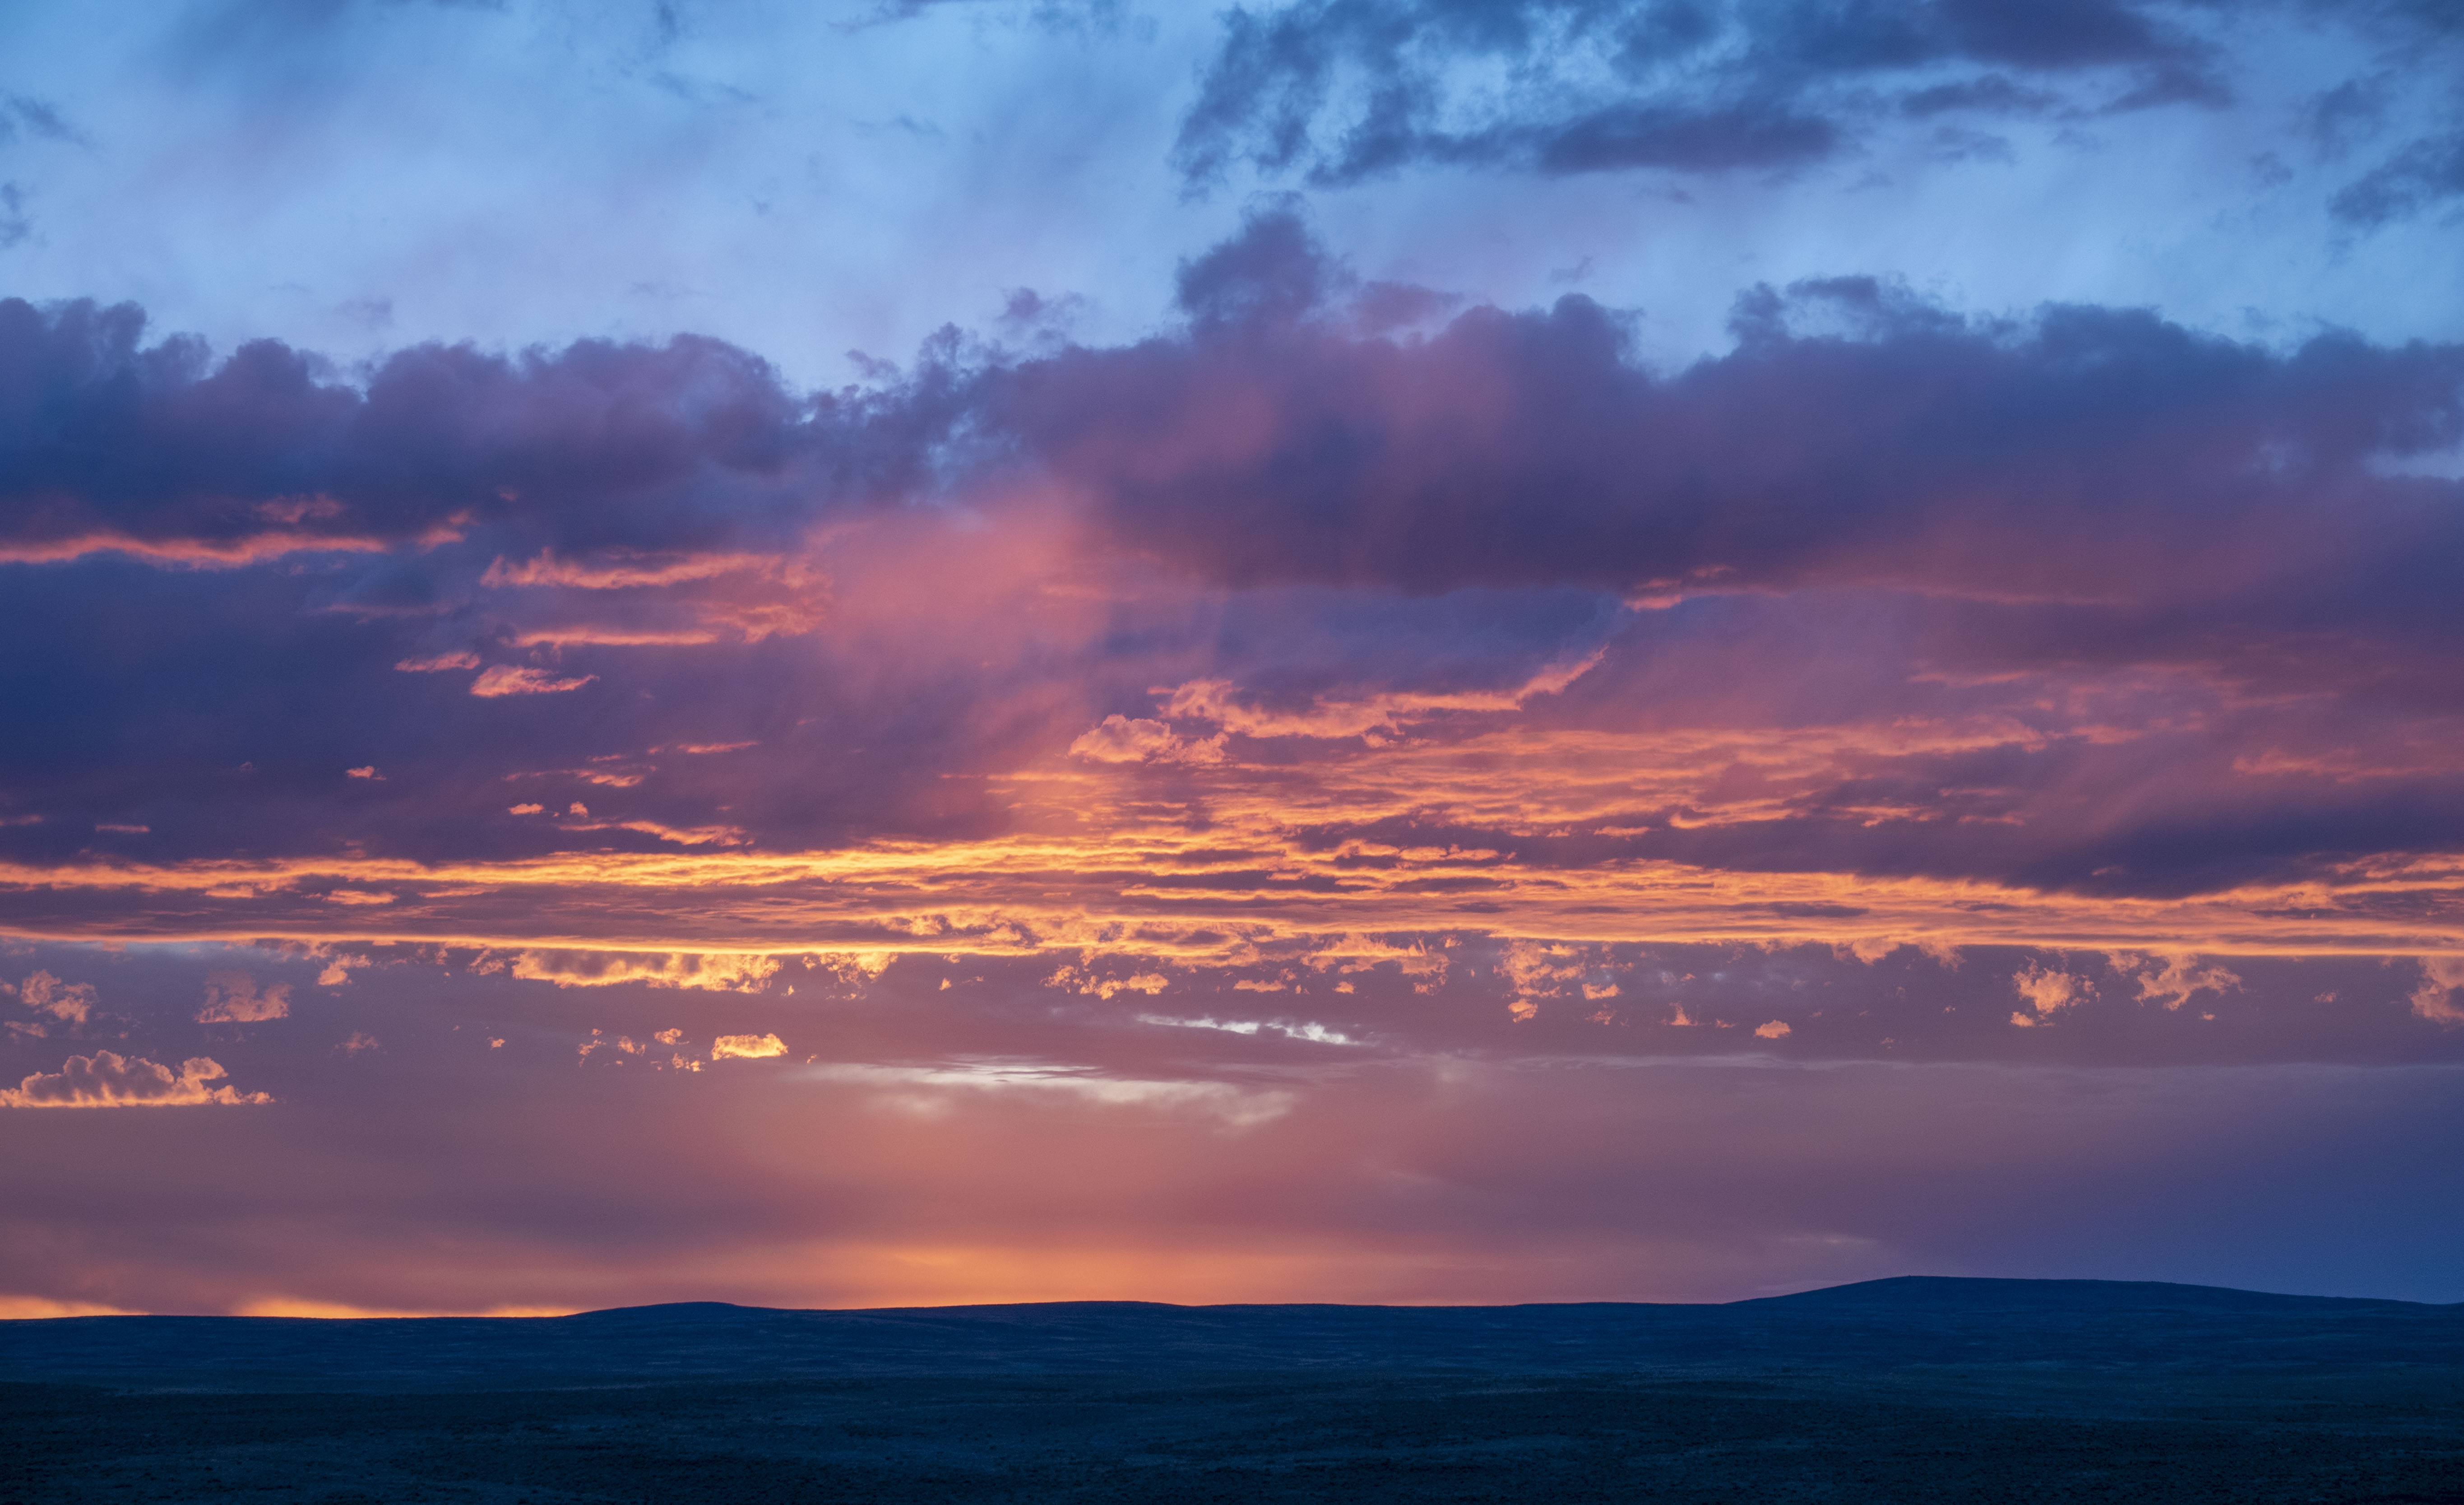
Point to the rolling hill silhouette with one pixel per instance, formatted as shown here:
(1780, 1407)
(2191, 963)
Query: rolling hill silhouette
(1910, 1391)
(1885, 1324)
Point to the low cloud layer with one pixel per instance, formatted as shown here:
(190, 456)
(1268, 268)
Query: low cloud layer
(1339, 1135)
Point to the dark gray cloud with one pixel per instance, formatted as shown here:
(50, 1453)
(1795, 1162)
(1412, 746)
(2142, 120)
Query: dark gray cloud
(1337, 91)
(689, 445)
(1855, 435)
(2422, 175)
(38, 118)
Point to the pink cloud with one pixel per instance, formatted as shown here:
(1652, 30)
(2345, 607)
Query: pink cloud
(2435, 998)
(70, 1003)
(503, 679)
(234, 998)
(621, 571)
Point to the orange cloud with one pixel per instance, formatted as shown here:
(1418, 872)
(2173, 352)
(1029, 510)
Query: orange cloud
(706, 972)
(747, 1047)
(2048, 990)
(632, 600)
(106, 1079)
(1214, 700)
(1035, 893)
(501, 679)
(254, 548)
(622, 571)
(1122, 739)
(1079, 979)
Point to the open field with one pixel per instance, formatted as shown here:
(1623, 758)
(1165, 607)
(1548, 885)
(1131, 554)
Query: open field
(1977, 1436)
(1966, 1391)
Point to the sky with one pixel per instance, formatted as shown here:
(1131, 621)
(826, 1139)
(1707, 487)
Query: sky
(1387, 650)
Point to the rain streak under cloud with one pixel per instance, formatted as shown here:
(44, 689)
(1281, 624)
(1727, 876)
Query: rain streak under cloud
(1320, 751)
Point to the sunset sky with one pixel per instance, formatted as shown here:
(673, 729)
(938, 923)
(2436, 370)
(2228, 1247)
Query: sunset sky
(1400, 650)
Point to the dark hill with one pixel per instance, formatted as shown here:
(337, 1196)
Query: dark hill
(1945, 1293)
(1905, 1323)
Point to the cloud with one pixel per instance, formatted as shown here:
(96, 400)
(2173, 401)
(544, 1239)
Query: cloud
(622, 571)
(936, 1089)
(1455, 1175)
(38, 118)
(2049, 990)
(501, 679)
(1537, 970)
(2434, 999)
(16, 224)
(2421, 175)
(438, 663)
(1431, 465)
(1217, 701)
(1290, 1030)
(257, 456)
(746, 1047)
(234, 998)
(2174, 980)
(106, 1079)
(715, 971)
(1493, 619)
(1080, 979)
(70, 1003)
(1121, 739)
(1340, 91)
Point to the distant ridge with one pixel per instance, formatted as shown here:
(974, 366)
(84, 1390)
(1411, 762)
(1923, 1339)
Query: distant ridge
(1982, 1293)
(1895, 1323)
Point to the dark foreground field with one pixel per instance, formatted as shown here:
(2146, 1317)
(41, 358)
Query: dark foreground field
(1895, 1391)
